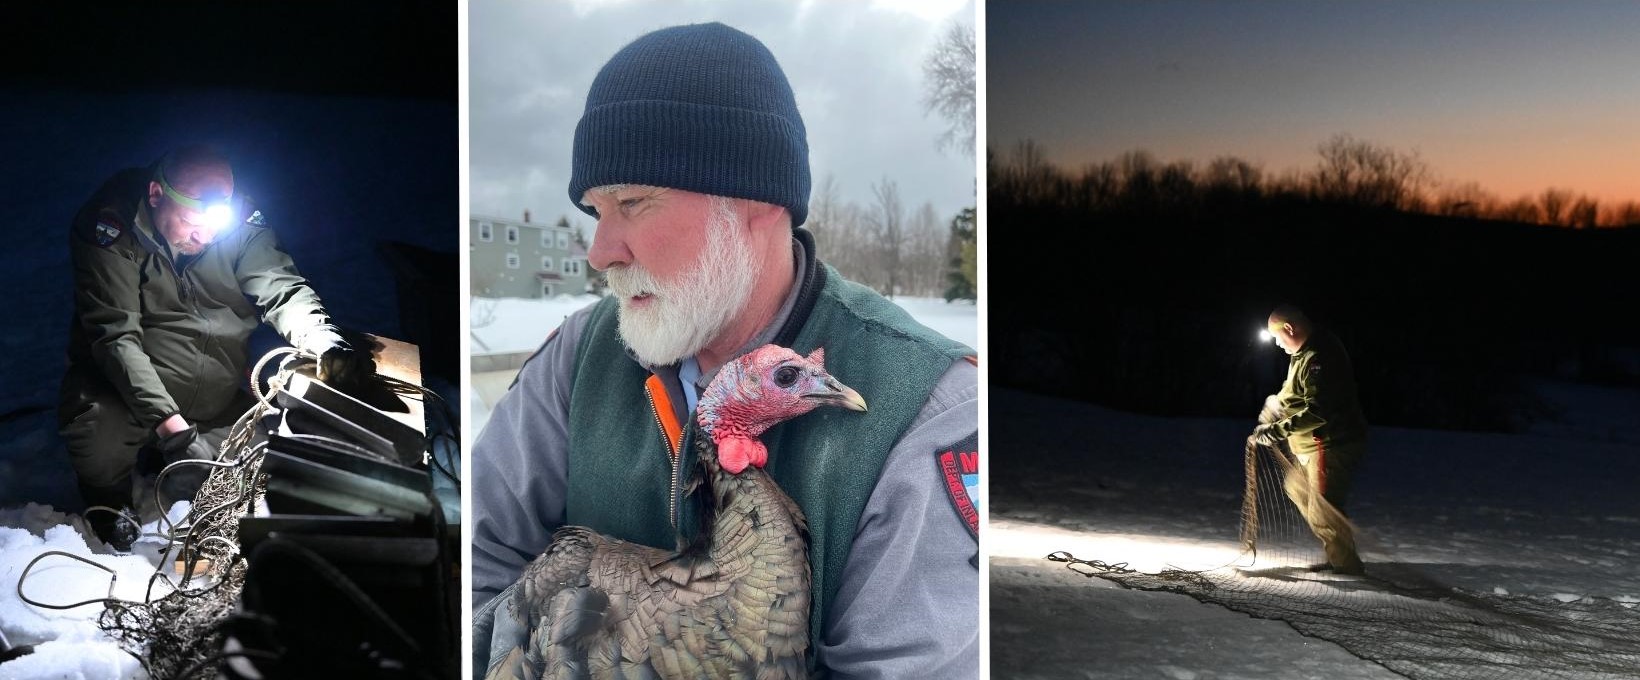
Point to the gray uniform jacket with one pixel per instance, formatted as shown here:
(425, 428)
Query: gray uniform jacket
(909, 602)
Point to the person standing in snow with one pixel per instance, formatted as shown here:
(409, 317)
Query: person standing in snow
(1317, 417)
(693, 157)
(172, 273)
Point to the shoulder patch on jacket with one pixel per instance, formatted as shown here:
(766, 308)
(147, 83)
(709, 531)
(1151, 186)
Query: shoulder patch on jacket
(959, 471)
(108, 229)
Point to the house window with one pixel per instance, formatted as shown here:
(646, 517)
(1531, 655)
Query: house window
(512, 260)
(546, 264)
(572, 267)
(484, 232)
(546, 239)
(512, 234)
(546, 290)
(563, 240)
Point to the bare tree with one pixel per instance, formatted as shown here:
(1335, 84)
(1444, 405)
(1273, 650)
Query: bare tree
(1231, 175)
(1584, 213)
(1523, 209)
(1465, 200)
(1554, 202)
(924, 264)
(1363, 173)
(1176, 185)
(1098, 187)
(1624, 214)
(887, 225)
(948, 74)
(824, 206)
(838, 233)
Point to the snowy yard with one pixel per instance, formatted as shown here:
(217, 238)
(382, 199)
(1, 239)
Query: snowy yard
(1549, 514)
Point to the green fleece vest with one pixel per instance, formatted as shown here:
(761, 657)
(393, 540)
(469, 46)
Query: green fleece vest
(620, 474)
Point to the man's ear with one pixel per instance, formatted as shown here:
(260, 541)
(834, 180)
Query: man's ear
(154, 192)
(760, 215)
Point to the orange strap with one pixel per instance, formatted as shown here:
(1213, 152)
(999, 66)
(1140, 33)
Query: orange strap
(662, 403)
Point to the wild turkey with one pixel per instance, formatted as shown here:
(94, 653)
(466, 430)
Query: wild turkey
(734, 603)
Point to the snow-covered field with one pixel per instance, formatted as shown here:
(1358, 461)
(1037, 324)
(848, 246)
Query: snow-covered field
(512, 325)
(1549, 513)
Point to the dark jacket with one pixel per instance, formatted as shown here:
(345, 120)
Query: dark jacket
(170, 337)
(1319, 405)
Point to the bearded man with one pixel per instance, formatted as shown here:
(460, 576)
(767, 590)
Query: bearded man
(693, 157)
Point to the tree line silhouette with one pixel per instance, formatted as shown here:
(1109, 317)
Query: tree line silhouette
(1141, 285)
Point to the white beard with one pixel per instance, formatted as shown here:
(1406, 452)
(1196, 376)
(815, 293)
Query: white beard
(684, 316)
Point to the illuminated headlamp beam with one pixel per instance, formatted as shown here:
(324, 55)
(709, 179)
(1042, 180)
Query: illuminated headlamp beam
(1264, 335)
(218, 216)
(217, 213)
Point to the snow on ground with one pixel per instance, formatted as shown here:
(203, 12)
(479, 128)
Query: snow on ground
(67, 643)
(513, 325)
(1540, 514)
(509, 325)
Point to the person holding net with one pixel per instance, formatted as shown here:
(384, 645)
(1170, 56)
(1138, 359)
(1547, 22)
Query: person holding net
(1316, 421)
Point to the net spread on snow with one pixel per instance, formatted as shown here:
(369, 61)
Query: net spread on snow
(1394, 615)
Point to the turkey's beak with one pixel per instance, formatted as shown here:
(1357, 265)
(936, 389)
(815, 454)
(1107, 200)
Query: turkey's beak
(838, 394)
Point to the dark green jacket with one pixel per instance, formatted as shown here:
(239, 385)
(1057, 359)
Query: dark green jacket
(1320, 408)
(171, 338)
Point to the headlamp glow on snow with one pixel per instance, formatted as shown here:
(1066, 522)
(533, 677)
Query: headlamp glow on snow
(216, 211)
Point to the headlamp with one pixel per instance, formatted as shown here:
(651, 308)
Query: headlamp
(1264, 335)
(216, 211)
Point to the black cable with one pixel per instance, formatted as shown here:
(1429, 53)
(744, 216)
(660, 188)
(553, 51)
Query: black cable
(113, 578)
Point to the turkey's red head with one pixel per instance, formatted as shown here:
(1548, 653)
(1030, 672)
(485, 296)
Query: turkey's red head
(759, 389)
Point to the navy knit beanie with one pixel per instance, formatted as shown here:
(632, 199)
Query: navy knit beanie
(704, 108)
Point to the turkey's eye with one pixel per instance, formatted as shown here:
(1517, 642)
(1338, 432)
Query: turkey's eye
(785, 376)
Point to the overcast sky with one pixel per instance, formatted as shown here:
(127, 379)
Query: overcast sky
(856, 68)
(1515, 95)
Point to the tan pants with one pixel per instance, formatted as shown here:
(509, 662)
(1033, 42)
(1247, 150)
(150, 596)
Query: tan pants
(1318, 485)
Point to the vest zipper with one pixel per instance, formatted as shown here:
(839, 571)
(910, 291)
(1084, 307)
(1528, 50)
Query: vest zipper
(672, 498)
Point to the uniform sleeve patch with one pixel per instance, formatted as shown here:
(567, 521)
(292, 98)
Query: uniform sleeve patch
(108, 230)
(959, 470)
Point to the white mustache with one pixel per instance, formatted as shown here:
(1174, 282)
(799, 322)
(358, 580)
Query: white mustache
(631, 280)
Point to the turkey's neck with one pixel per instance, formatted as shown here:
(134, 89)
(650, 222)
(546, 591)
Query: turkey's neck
(751, 498)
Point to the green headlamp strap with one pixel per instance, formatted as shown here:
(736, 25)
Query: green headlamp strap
(196, 204)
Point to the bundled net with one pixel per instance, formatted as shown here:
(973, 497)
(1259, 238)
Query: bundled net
(180, 634)
(1394, 615)
(177, 630)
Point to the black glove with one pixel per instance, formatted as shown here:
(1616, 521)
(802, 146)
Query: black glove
(184, 443)
(343, 366)
(1266, 434)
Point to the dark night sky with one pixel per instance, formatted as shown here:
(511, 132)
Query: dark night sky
(370, 48)
(341, 120)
